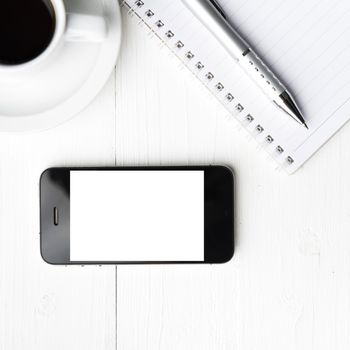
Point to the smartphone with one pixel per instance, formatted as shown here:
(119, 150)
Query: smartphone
(137, 215)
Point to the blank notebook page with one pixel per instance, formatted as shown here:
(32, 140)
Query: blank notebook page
(305, 42)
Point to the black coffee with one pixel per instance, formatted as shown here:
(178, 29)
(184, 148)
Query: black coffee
(26, 29)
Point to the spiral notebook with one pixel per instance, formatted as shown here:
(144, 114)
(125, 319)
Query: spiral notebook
(304, 42)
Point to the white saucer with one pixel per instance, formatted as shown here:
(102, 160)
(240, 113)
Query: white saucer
(55, 93)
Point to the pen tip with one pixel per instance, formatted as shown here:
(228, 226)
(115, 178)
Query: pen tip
(306, 126)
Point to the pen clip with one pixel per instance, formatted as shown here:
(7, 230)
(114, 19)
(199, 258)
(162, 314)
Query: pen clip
(218, 8)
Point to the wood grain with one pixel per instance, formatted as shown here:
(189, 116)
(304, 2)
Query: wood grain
(44, 306)
(288, 285)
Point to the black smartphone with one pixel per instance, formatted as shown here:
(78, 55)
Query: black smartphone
(137, 215)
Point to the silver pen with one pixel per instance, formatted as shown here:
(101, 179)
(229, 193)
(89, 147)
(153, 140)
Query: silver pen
(213, 17)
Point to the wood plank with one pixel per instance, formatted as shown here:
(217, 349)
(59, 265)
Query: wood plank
(44, 306)
(287, 286)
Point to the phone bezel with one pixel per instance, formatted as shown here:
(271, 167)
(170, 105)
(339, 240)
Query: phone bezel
(218, 214)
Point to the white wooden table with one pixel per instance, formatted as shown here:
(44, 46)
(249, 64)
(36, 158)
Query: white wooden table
(288, 285)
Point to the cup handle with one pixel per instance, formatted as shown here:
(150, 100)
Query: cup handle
(85, 28)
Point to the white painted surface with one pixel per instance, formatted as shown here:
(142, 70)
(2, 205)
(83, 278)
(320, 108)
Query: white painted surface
(288, 285)
(42, 306)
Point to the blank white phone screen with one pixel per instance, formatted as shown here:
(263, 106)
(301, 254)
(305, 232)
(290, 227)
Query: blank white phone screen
(137, 215)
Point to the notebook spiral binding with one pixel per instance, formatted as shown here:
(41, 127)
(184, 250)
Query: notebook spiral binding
(188, 57)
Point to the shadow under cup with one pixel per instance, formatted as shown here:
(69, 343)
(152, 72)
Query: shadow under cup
(26, 30)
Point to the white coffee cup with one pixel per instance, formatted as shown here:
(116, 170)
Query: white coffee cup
(71, 27)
